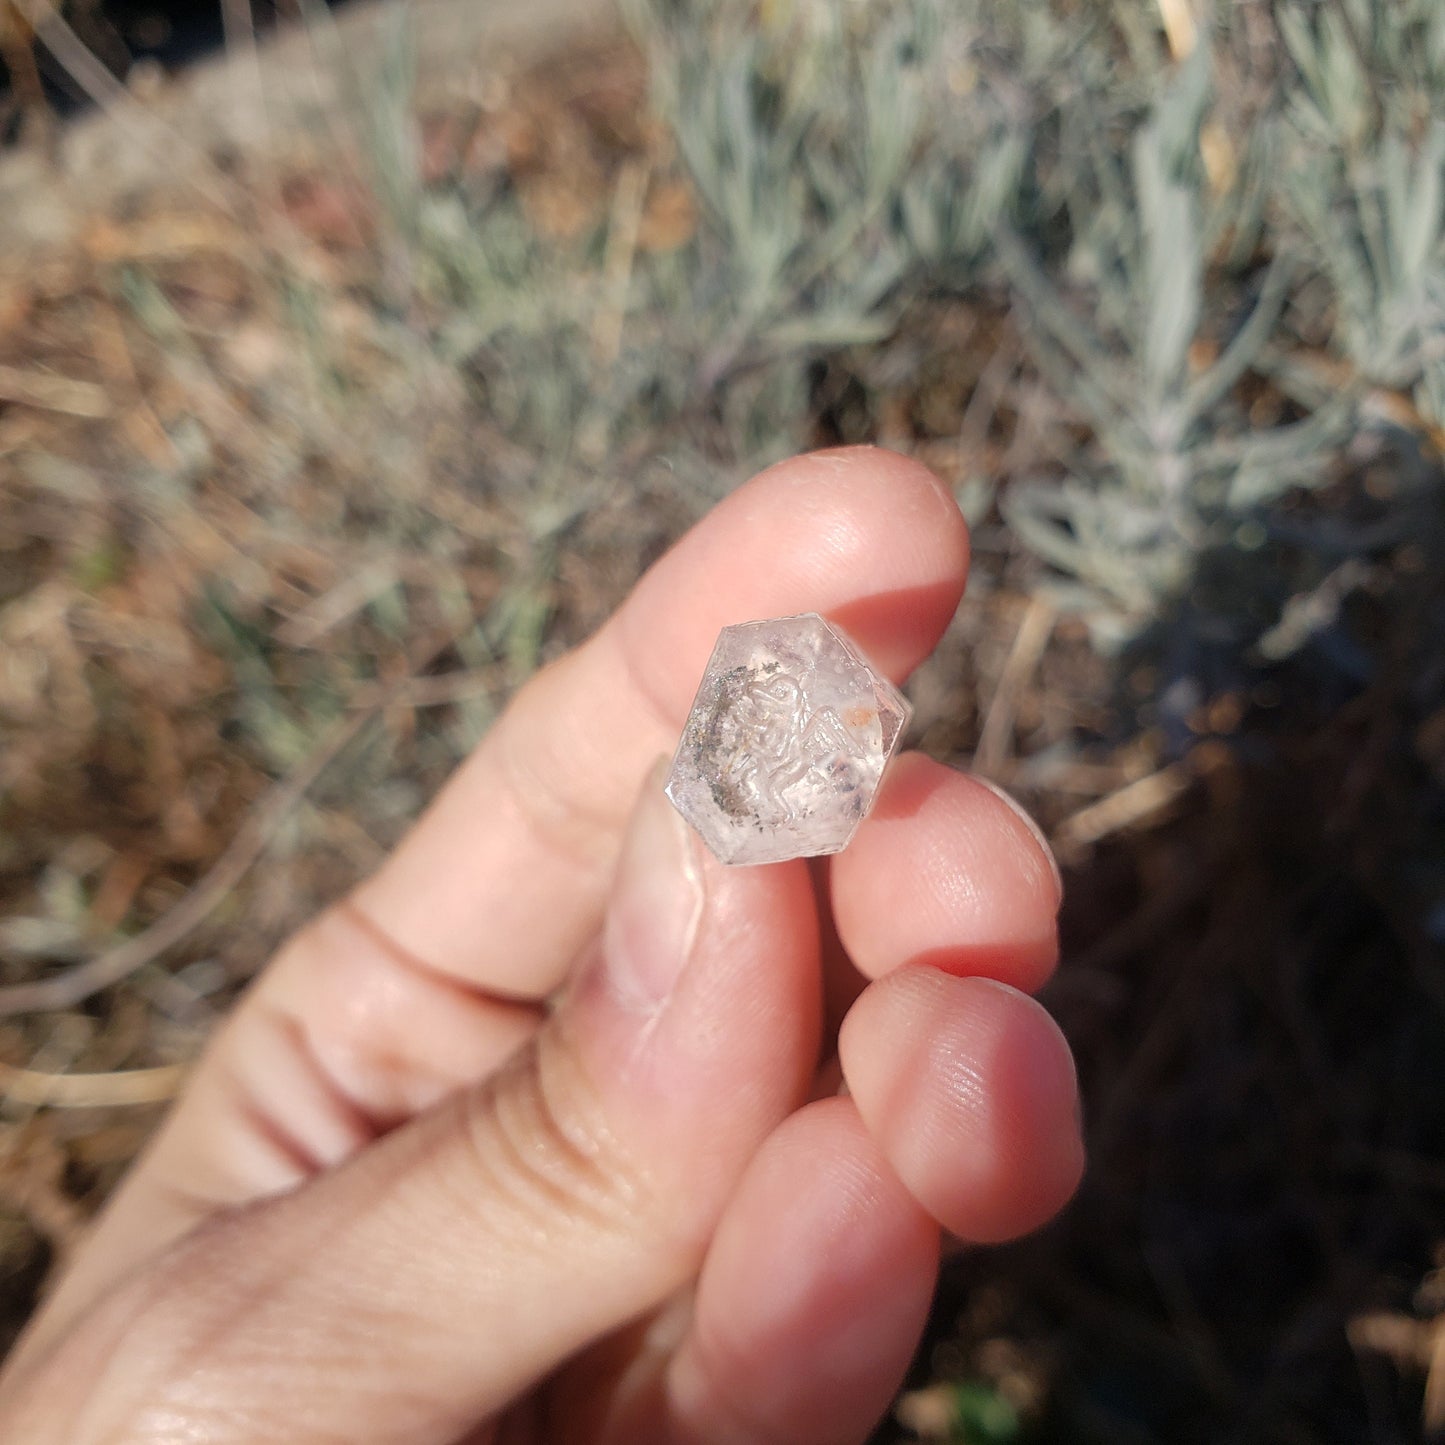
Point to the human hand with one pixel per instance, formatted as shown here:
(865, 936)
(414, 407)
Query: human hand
(538, 1135)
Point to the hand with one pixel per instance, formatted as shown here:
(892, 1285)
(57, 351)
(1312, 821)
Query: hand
(529, 1138)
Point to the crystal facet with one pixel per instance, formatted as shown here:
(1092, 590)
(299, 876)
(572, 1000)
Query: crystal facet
(786, 742)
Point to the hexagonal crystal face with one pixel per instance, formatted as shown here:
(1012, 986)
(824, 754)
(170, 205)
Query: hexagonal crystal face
(786, 742)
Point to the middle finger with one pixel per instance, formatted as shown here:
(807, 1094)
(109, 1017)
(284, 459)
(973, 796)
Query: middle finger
(949, 873)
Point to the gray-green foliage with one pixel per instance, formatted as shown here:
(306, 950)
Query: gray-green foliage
(851, 155)
(841, 154)
(1366, 182)
(1338, 177)
(1161, 225)
(1173, 463)
(810, 134)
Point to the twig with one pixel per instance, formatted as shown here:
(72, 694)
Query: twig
(1179, 27)
(322, 614)
(1405, 1340)
(64, 1042)
(166, 237)
(1134, 803)
(90, 1091)
(1028, 647)
(1413, 1345)
(617, 263)
(67, 989)
(1309, 613)
(610, 317)
(54, 393)
(239, 28)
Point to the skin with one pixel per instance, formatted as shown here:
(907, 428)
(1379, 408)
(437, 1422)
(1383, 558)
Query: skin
(538, 1135)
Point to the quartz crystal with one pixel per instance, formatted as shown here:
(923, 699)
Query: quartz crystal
(786, 742)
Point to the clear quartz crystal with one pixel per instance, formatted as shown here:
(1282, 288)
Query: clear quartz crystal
(786, 742)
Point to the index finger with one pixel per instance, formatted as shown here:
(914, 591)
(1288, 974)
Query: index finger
(502, 880)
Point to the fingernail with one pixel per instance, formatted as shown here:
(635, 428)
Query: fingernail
(657, 902)
(1031, 824)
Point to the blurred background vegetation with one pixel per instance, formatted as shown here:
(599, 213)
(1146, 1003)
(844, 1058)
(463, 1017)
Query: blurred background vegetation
(312, 449)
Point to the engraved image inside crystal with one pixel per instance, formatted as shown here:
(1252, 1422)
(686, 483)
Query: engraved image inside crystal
(776, 750)
(786, 742)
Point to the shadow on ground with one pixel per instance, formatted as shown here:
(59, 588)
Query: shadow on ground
(1256, 996)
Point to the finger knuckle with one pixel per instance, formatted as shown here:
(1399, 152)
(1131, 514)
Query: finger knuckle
(541, 1147)
(541, 784)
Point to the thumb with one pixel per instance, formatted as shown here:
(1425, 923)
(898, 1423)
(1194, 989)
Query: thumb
(427, 1283)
